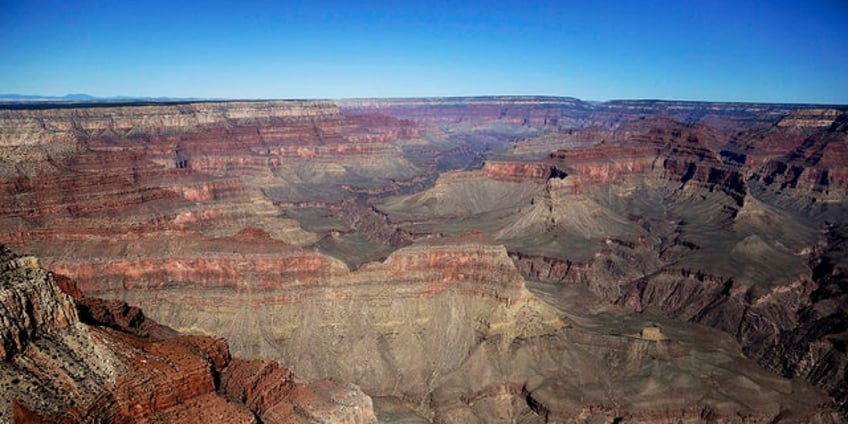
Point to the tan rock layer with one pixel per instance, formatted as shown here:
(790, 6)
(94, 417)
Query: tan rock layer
(30, 303)
(61, 371)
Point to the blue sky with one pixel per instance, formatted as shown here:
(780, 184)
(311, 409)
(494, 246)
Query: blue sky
(775, 51)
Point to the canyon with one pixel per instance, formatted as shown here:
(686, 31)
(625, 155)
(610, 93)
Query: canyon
(452, 260)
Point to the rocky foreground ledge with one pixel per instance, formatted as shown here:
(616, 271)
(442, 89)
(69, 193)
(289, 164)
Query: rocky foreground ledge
(116, 366)
(86, 360)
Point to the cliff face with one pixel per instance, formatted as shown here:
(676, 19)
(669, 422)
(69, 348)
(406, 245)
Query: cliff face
(810, 118)
(69, 372)
(41, 139)
(82, 183)
(386, 327)
(271, 392)
(31, 305)
(86, 372)
(521, 171)
(567, 112)
(62, 370)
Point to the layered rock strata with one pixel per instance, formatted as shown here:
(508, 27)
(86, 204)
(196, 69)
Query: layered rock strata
(673, 219)
(245, 219)
(58, 369)
(272, 393)
(417, 313)
(569, 112)
(31, 304)
(84, 373)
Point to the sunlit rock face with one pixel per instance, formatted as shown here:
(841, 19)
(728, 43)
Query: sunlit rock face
(109, 367)
(387, 326)
(485, 259)
(739, 230)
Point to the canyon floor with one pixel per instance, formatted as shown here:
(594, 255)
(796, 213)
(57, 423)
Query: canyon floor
(451, 260)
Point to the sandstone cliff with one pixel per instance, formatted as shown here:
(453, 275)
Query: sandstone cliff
(31, 304)
(58, 369)
(417, 313)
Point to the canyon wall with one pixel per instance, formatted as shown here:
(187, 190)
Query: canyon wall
(388, 327)
(98, 371)
(63, 370)
(682, 221)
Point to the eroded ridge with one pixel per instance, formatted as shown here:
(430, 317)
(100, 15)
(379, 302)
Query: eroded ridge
(58, 369)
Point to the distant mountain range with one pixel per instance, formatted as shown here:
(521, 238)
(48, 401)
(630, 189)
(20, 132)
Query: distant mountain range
(81, 97)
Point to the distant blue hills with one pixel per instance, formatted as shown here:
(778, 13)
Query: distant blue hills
(81, 97)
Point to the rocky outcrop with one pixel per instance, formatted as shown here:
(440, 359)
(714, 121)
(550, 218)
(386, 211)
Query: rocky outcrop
(69, 372)
(118, 367)
(522, 170)
(810, 118)
(272, 394)
(118, 315)
(31, 304)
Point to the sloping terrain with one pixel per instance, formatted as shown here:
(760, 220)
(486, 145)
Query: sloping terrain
(521, 362)
(120, 367)
(665, 217)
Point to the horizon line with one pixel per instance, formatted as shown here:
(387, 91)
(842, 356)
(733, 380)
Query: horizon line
(83, 99)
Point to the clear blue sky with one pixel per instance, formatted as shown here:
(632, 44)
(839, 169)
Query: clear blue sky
(776, 51)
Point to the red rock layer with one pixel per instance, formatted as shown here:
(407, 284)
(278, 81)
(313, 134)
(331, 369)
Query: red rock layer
(270, 391)
(517, 171)
(816, 164)
(162, 374)
(259, 384)
(67, 372)
(655, 148)
(808, 159)
(206, 408)
(569, 112)
(522, 111)
(479, 268)
(144, 168)
(260, 272)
